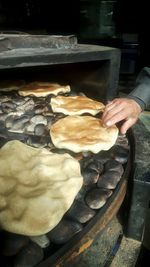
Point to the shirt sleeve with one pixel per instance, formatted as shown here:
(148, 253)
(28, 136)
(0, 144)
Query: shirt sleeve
(141, 93)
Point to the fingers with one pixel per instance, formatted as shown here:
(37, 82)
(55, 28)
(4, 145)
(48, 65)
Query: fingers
(115, 117)
(111, 104)
(114, 112)
(119, 110)
(108, 110)
(126, 125)
(109, 107)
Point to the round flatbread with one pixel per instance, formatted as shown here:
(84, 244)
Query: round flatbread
(76, 105)
(83, 133)
(42, 89)
(37, 187)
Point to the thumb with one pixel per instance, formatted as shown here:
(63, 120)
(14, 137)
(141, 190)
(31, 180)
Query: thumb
(126, 125)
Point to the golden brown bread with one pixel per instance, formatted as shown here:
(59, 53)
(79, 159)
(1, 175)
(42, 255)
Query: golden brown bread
(42, 89)
(36, 188)
(76, 105)
(82, 133)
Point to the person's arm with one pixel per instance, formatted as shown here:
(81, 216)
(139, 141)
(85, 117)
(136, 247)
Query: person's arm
(141, 93)
(128, 109)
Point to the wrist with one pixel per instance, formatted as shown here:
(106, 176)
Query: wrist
(140, 103)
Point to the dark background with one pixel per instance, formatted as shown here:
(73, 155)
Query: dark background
(39, 15)
(126, 23)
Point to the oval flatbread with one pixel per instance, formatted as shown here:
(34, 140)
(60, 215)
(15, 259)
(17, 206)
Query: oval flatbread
(36, 188)
(82, 133)
(76, 105)
(42, 89)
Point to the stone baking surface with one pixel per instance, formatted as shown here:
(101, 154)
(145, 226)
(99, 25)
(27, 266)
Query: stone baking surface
(28, 119)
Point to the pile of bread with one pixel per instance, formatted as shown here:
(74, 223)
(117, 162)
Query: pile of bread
(37, 186)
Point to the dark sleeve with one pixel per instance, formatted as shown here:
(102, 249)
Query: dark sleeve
(141, 93)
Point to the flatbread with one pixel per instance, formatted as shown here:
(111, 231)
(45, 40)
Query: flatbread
(76, 105)
(42, 89)
(36, 188)
(82, 133)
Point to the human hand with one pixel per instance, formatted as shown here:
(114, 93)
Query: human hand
(121, 109)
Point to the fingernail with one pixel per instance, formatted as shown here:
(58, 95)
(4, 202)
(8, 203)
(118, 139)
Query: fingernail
(108, 123)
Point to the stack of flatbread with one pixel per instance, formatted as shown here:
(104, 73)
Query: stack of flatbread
(42, 89)
(80, 133)
(36, 188)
